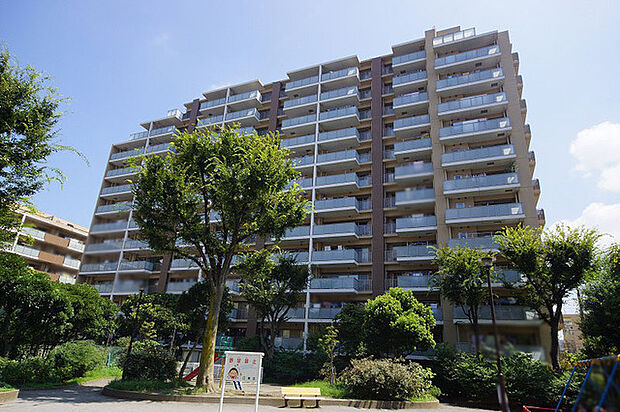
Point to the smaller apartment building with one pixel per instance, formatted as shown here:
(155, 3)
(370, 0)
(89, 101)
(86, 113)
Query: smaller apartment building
(50, 244)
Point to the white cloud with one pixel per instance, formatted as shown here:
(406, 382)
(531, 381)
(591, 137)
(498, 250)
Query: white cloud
(597, 150)
(604, 217)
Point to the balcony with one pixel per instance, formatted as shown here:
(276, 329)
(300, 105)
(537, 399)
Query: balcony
(342, 257)
(409, 81)
(116, 191)
(411, 199)
(121, 175)
(347, 159)
(103, 288)
(179, 265)
(289, 343)
(301, 84)
(103, 248)
(341, 97)
(113, 208)
(486, 104)
(349, 137)
(303, 163)
(411, 102)
(505, 314)
(342, 231)
(302, 124)
(162, 132)
(340, 117)
(484, 243)
(345, 77)
(304, 183)
(504, 182)
(472, 83)
(409, 225)
(180, 287)
(489, 56)
(212, 103)
(341, 182)
(323, 314)
(409, 60)
(34, 233)
(27, 251)
(483, 157)
(493, 213)
(411, 125)
(453, 37)
(297, 233)
(247, 117)
(300, 103)
(475, 131)
(105, 267)
(414, 253)
(160, 148)
(119, 156)
(133, 244)
(109, 227)
(296, 314)
(417, 282)
(76, 245)
(234, 286)
(210, 121)
(244, 100)
(139, 135)
(136, 266)
(300, 257)
(339, 284)
(299, 144)
(412, 149)
(413, 173)
(237, 314)
(535, 351)
(344, 206)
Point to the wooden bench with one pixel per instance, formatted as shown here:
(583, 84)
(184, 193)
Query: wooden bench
(301, 394)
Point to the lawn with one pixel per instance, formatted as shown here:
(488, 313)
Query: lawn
(327, 389)
(100, 373)
(143, 385)
(5, 388)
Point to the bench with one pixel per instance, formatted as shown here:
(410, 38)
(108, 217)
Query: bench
(301, 394)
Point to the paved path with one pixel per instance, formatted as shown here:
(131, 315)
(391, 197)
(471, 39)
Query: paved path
(88, 397)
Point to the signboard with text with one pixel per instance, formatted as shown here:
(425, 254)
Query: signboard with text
(242, 367)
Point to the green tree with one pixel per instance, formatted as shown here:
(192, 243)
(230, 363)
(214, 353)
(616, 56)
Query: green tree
(29, 116)
(194, 304)
(350, 324)
(328, 344)
(600, 324)
(272, 288)
(397, 324)
(462, 281)
(205, 202)
(93, 315)
(553, 263)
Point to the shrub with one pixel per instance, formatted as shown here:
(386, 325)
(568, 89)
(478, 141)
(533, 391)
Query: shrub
(29, 370)
(383, 379)
(248, 344)
(288, 367)
(73, 359)
(149, 361)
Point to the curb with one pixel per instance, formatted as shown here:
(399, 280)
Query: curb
(264, 400)
(9, 396)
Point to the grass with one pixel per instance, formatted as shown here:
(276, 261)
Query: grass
(5, 387)
(327, 389)
(95, 374)
(143, 385)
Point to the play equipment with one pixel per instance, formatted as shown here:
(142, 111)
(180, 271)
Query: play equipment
(222, 344)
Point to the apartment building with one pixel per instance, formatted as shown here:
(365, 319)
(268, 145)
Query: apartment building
(425, 146)
(572, 338)
(50, 244)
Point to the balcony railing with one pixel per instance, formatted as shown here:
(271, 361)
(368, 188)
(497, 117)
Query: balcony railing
(34, 233)
(347, 91)
(351, 71)
(254, 94)
(136, 244)
(297, 141)
(405, 223)
(116, 207)
(341, 282)
(469, 55)
(138, 135)
(116, 189)
(241, 114)
(490, 211)
(323, 313)
(99, 267)
(411, 121)
(340, 112)
(296, 121)
(356, 255)
(105, 227)
(300, 101)
(72, 263)
(409, 77)
(296, 232)
(103, 287)
(164, 130)
(413, 169)
(337, 134)
(341, 229)
(125, 154)
(302, 161)
(491, 152)
(136, 265)
(180, 286)
(411, 145)
(478, 182)
(405, 58)
(502, 312)
(474, 127)
(484, 242)
(104, 247)
(27, 251)
(415, 282)
(338, 156)
(300, 83)
(339, 203)
(470, 78)
(183, 264)
(76, 245)
(411, 98)
(451, 37)
(212, 103)
(341, 179)
(417, 195)
(414, 251)
(122, 171)
(472, 102)
(207, 121)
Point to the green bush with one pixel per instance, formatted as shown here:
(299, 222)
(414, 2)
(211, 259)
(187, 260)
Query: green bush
(248, 344)
(384, 379)
(149, 361)
(288, 367)
(73, 359)
(29, 370)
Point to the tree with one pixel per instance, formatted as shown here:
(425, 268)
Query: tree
(194, 304)
(205, 202)
(272, 288)
(350, 324)
(93, 315)
(397, 324)
(600, 324)
(553, 263)
(29, 116)
(328, 344)
(462, 281)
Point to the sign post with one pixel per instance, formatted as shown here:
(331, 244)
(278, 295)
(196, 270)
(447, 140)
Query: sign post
(240, 368)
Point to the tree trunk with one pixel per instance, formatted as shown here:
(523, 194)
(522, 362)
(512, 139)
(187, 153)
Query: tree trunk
(554, 344)
(186, 360)
(474, 324)
(207, 355)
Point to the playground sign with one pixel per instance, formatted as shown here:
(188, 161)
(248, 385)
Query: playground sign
(240, 368)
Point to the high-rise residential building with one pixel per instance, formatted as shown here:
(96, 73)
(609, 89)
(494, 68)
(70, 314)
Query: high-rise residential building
(424, 146)
(571, 331)
(50, 244)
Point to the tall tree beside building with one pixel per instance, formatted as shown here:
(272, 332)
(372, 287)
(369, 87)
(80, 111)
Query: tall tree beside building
(208, 200)
(553, 263)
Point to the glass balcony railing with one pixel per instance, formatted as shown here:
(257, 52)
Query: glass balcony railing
(207, 121)
(27, 251)
(299, 231)
(241, 114)
(408, 196)
(502, 312)
(482, 242)
(138, 135)
(296, 313)
(163, 130)
(116, 189)
(105, 227)
(340, 179)
(405, 58)
(508, 209)
(338, 203)
(414, 251)
(356, 255)
(340, 112)
(339, 229)
(411, 121)
(76, 245)
(160, 148)
(136, 265)
(304, 183)
(351, 71)
(338, 156)
(421, 280)
(347, 91)
(470, 78)
(122, 171)
(254, 94)
(472, 102)
(99, 267)
(180, 286)
(477, 182)
(405, 223)
(451, 37)
(409, 78)
(474, 127)
(491, 152)
(338, 134)
(303, 161)
(300, 257)
(297, 141)
(469, 55)
(103, 287)
(300, 101)
(183, 264)
(410, 98)
(300, 83)
(340, 282)
(212, 103)
(116, 207)
(323, 313)
(413, 169)
(104, 247)
(296, 121)
(508, 276)
(411, 145)
(34, 233)
(136, 244)
(125, 154)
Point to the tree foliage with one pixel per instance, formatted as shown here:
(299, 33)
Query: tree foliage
(211, 197)
(328, 343)
(271, 284)
(350, 324)
(553, 263)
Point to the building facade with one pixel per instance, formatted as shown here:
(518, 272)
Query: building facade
(424, 146)
(572, 338)
(50, 244)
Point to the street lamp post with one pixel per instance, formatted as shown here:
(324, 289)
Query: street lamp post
(487, 262)
(133, 333)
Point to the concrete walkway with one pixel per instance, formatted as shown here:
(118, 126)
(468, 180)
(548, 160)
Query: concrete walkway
(88, 397)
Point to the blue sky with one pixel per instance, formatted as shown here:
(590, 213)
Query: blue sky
(123, 62)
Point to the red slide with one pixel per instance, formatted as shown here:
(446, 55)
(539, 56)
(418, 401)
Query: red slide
(193, 373)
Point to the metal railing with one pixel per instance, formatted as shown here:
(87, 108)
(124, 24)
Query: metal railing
(244, 96)
(414, 251)
(303, 82)
(508, 209)
(408, 57)
(451, 37)
(99, 267)
(339, 112)
(242, 113)
(105, 227)
(296, 121)
(483, 242)
(415, 222)
(413, 169)
(337, 134)
(407, 196)
(351, 71)
(410, 98)
(296, 141)
(300, 101)
(478, 154)
(409, 77)
(409, 145)
(471, 102)
(210, 120)
(212, 103)
(469, 55)
(347, 91)
(470, 78)
(474, 127)
(116, 207)
(502, 179)
(115, 189)
(412, 121)
(122, 171)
